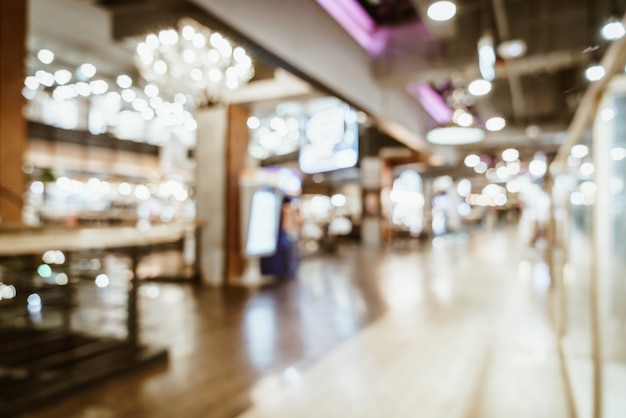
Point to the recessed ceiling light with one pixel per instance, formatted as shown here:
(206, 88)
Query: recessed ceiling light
(83, 89)
(441, 11)
(62, 76)
(465, 119)
(510, 154)
(607, 114)
(514, 48)
(595, 73)
(31, 82)
(151, 90)
(495, 124)
(618, 153)
(533, 131)
(479, 87)
(128, 95)
(472, 160)
(124, 81)
(99, 86)
(45, 56)
(253, 122)
(45, 78)
(486, 57)
(612, 30)
(87, 70)
(579, 151)
(481, 167)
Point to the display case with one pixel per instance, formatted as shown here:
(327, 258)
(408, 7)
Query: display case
(70, 307)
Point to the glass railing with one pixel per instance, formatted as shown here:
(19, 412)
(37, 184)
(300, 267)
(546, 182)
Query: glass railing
(587, 247)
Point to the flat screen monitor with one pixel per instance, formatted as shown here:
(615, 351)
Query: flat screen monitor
(331, 140)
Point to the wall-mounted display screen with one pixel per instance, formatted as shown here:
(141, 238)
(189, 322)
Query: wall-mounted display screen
(331, 140)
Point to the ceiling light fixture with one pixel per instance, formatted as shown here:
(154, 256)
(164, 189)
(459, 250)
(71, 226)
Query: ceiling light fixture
(495, 123)
(579, 151)
(479, 87)
(463, 118)
(86, 71)
(510, 155)
(31, 82)
(613, 29)
(538, 166)
(98, 87)
(511, 49)
(83, 89)
(471, 160)
(441, 11)
(45, 56)
(486, 57)
(124, 81)
(62, 77)
(193, 60)
(618, 153)
(45, 78)
(595, 73)
(455, 135)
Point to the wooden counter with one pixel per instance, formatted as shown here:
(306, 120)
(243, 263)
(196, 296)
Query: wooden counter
(68, 358)
(22, 241)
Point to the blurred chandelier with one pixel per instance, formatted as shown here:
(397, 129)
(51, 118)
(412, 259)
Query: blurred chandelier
(193, 60)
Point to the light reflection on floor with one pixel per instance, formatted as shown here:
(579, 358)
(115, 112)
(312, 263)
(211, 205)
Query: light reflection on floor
(462, 338)
(261, 333)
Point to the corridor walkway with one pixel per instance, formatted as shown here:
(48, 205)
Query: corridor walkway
(456, 329)
(466, 335)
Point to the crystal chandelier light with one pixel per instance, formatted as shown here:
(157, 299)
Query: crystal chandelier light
(193, 60)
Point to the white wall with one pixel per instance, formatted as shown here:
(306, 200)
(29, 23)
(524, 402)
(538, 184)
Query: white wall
(302, 33)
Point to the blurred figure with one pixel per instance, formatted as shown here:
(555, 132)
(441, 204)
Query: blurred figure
(534, 217)
(284, 262)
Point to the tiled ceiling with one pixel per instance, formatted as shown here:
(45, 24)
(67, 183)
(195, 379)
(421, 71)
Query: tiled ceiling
(541, 88)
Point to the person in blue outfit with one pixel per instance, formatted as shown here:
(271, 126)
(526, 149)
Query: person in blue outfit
(284, 262)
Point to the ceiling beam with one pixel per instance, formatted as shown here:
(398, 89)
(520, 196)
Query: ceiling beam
(515, 82)
(423, 69)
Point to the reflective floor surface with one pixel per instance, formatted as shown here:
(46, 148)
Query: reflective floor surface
(459, 328)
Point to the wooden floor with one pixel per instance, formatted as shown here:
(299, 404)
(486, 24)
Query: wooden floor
(456, 329)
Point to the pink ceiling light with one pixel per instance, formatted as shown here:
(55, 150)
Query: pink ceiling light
(431, 101)
(355, 20)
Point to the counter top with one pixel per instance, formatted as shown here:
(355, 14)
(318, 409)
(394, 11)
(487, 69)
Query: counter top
(22, 241)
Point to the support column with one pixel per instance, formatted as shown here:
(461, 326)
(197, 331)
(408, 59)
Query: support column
(12, 123)
(237, 154)
(211, 203)
(371, 234)
(427, 189)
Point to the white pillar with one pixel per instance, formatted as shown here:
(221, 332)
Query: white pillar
(211, 201)
(370, 181)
